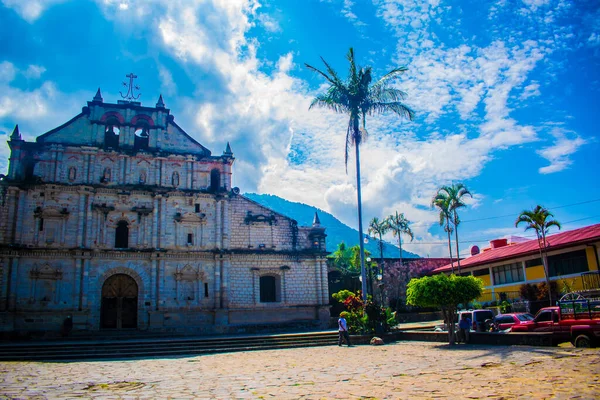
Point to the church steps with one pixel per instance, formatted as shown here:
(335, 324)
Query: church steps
(159, 348)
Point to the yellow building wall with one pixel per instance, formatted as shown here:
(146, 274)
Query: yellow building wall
(533, 273)
(487, 280)
(511, 288)
(569, 284)
(591, 258)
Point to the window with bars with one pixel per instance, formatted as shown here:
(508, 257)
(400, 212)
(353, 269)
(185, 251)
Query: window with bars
(568, 263)
(508, 273)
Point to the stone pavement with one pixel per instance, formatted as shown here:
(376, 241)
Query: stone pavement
(403, 370)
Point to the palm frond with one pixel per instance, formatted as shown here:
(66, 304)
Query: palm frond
(393, 74)
(398, 108)
(318, 71)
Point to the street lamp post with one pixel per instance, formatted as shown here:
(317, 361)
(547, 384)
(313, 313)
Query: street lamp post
(380, 285)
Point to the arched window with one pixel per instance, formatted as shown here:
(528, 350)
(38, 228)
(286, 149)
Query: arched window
(141, 137)
(269, 292)
(111, 133)
(122, 235)
(215, 180)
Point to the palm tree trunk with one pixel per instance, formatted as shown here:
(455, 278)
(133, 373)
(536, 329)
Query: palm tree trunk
(360, 226)
(544, 256)
(449, 242)
(401, 280)
(400, 247)
(381, 268)
(456, 236)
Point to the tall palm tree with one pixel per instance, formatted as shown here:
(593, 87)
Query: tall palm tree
(540, 220)
(455, 194)
(358, 97)
(379, 228)
(442, 202)
(399, 226)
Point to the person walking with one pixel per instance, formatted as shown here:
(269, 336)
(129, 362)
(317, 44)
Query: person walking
(464, 326)
(343, 329)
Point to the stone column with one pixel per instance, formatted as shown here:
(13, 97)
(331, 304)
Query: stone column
(81, 214)
(162, 172)
(59, 164)
(162, 227)
(12, 294)
(12, 201)
(318, 279)
(188, 174)
(283, 286)
(88, 240)
(226, 268)
(155, 279)
(20, 216)
(226, 224)
(325, 281)
(217, 287)
(54, 164)
(6, 283)
(155, 239)
(140, 229)
(92, 174)
(218, 225)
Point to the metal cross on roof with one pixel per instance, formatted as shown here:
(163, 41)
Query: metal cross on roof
(130, 88)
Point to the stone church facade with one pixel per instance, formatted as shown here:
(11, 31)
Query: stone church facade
(121, 220)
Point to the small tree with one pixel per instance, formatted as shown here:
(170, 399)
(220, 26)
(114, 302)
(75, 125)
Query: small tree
(445, 292)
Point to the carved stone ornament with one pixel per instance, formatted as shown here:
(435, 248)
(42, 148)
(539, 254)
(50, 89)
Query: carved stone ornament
(103, 208)
(143, 210)
(189, 218)
(46, 272)
(259, 218)
(188, 273)
(51, 212)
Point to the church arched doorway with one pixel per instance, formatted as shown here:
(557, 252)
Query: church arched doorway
(119, 303)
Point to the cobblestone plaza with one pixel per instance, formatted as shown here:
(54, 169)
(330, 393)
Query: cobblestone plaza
(415, 370)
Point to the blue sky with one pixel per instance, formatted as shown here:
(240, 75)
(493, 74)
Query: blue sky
(506, 96)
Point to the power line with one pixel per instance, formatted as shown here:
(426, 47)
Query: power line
(487, 240)
(550, 208)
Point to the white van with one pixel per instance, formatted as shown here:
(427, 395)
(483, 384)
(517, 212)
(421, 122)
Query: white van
(479, 319)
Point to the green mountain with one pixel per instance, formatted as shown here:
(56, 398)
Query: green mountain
(336, 231)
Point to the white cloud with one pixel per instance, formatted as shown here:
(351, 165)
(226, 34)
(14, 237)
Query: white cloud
(566, 143)
(7, 72)
(350, 15)
(24, 104)
(167, 83)
(30, 10)
(34, 72)
(269, 23)
(531, 90)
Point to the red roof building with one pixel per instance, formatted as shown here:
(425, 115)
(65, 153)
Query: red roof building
(572, 261)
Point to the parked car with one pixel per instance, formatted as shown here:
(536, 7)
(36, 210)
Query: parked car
(503, 322)
(479, 318)
(577, 321)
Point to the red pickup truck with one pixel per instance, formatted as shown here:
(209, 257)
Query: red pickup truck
(577, 321)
